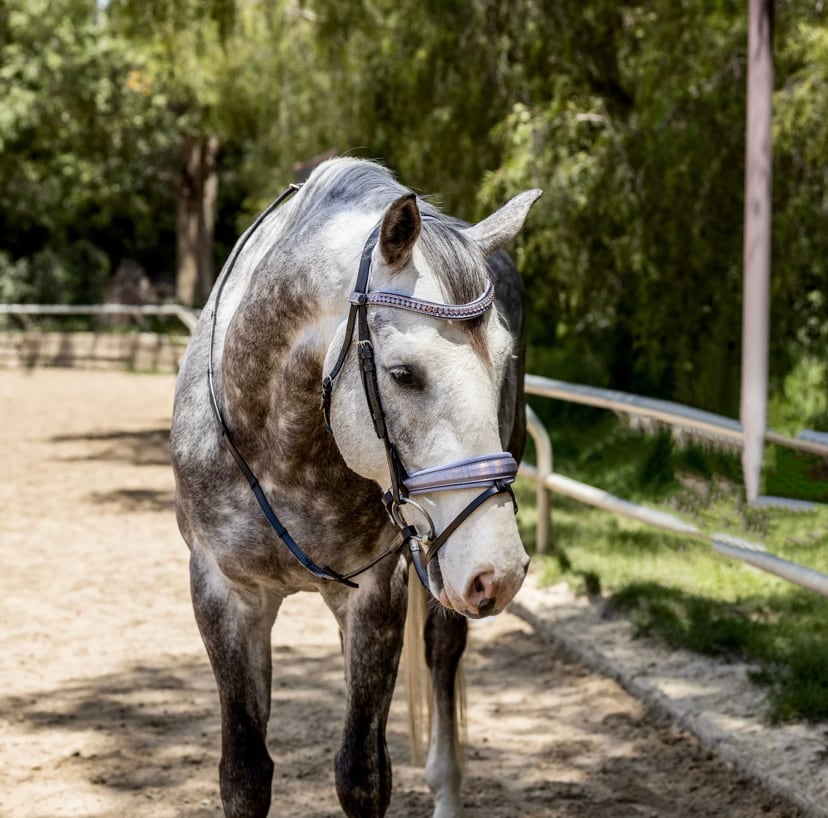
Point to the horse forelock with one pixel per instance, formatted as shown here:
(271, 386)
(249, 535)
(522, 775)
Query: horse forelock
(461, 270)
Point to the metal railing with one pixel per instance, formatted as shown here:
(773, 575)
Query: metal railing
(679, 416)
(675, 414)
(188, 317)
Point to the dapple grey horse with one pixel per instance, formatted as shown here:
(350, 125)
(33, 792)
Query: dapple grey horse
(421, 367)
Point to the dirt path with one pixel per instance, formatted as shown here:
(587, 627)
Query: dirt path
(107, 705)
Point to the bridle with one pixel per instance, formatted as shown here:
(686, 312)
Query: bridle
(494, 473)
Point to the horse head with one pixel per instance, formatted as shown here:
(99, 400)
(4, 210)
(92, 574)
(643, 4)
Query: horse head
(439, 354)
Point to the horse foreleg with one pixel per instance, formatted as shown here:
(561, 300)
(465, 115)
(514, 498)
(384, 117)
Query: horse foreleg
(235, 624)
(445, 641)
(371, 620)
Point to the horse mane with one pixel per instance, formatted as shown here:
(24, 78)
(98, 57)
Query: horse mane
(343, 184)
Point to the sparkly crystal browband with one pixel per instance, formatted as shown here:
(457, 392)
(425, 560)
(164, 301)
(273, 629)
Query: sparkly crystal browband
(458, 312)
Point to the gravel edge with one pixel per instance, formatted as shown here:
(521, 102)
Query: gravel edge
(579, 629)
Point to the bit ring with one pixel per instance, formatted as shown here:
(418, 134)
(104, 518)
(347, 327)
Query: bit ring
(400, 521)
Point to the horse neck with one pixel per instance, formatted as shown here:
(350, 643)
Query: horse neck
(276, 341)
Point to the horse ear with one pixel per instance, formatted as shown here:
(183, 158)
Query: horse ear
(503, 225)
(400, 229)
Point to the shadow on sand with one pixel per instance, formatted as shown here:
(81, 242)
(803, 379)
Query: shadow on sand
(148, 447)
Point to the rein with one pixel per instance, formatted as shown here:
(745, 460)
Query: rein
(321, 572)
(494, 472)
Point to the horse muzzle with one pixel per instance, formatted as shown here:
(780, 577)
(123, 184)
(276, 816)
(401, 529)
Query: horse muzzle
(489, 589)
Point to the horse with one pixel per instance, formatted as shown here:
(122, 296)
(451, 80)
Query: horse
(409, 461)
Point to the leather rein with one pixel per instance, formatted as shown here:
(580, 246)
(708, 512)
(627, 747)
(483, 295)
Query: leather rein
(494, 473)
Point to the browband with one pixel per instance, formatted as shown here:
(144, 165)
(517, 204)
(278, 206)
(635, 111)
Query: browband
(459, 312)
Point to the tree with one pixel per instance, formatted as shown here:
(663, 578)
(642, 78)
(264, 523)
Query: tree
(83, 165)
(127, 125)
(241, 84)
(183, 46)
(636, 252)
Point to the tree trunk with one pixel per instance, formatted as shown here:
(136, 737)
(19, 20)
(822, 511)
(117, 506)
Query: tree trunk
(195, 219)
(207, 217)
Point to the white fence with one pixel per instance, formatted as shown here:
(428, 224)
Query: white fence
(542, 473)
(674, 414)
(140, 351)
(187, 316)
(678, 416)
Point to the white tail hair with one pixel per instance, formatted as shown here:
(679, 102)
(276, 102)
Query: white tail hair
(418, 692)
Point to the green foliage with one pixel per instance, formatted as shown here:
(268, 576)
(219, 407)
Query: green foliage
(642, 209)
(79, 270)
(800, 258)
(629, 116)
(795, 474)
(657, 473)
(424, 83)
(794, 660)
(633, 257)
(84, 134)
(683, 620)
(802, 399)
(800, 687)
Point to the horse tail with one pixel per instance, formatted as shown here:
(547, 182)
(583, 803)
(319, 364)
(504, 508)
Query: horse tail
(461, 735)
(417, 675)
(418, 690)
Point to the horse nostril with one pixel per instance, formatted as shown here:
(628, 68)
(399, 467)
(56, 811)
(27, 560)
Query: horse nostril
(486, 607)
(481, 587)
(482, 595)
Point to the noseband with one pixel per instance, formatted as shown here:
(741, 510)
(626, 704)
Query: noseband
(494, 473)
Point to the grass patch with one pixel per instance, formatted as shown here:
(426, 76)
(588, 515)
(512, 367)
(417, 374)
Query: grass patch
(794, 474)
(678, 589)
(685, 620)
(792, 653)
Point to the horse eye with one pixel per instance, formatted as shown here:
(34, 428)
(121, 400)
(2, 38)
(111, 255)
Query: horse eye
(404, 376)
